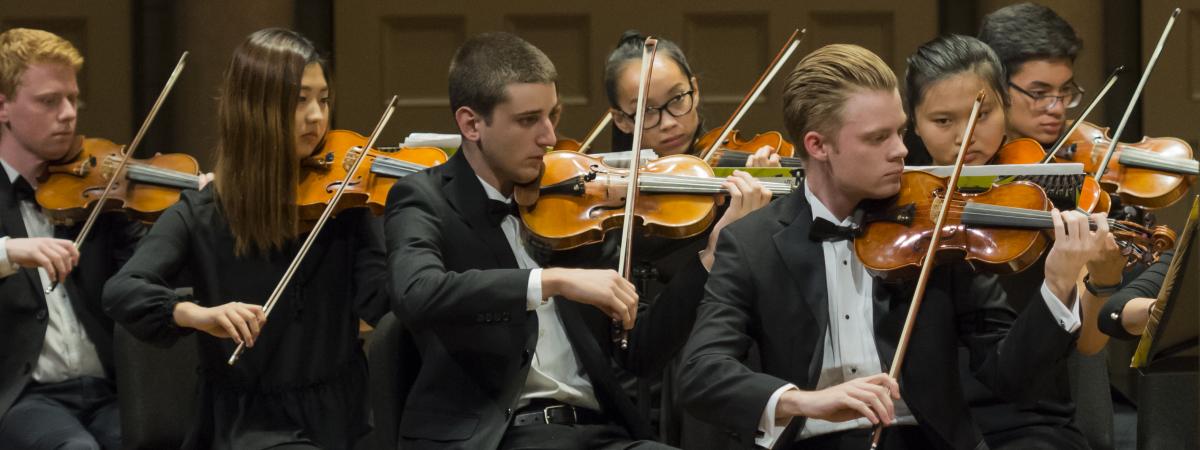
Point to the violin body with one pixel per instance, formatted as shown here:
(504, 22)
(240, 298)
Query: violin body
(1001, 230)
(1020, 151)
(144, 188)
(1089, 197)
(735, 151)
(323, 173)
(1153, 173)
(896, 237)
(568, 144)
(581, 199)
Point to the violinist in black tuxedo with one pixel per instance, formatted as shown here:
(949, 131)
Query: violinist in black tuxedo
(56, 372)
(787, 279)
(513, 355)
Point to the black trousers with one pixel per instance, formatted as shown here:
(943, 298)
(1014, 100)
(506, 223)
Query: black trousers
(74, 414)
(573, 437)
(1038, 437)
(894, 438)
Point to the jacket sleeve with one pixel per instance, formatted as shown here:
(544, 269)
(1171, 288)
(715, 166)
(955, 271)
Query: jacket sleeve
(715, 385)
(1008, 350)
(423, 291)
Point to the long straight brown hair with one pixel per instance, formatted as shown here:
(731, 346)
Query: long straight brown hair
(256, 170)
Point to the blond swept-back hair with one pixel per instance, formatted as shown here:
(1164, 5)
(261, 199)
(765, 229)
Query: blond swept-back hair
(819, 86)
(20, 47)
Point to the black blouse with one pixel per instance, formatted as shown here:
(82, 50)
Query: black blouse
(308, 350)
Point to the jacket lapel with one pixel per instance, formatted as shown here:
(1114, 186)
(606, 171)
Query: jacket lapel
(468, 198)
(805, 261)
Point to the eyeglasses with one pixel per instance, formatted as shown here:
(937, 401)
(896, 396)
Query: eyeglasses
(1044, 102)
(677, 106)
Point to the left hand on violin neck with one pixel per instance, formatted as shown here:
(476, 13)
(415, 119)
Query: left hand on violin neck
(1075, 245)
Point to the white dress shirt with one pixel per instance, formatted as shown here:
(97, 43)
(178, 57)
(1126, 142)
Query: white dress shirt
(850, 350)
(554, 373)
(67, 353)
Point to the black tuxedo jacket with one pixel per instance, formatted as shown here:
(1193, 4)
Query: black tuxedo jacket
(456, 286)
(768, 287)
(23, 314)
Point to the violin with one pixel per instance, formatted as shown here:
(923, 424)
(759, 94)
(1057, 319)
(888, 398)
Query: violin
(143, 188)
(1152, 173)
(1085, 194)
(324, 171)
(567, 144)
(735, 151)
(722, 147)
(580, 198)
(1000, 230)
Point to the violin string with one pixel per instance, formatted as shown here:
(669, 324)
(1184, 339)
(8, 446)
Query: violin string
(1145, 159)
(148, 173)
(1113, 224)
(738, 156)
(1030, 215)
(647, 179)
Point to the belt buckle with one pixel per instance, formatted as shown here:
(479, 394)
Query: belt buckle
(546, 413)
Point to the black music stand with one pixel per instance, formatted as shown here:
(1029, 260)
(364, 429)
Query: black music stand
(1168, 354)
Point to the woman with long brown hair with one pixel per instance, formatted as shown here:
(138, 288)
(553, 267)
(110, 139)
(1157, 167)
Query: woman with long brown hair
(301, 382)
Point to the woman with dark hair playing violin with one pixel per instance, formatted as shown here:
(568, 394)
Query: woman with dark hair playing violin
(673, 123)
(301, 382)
(671, 268)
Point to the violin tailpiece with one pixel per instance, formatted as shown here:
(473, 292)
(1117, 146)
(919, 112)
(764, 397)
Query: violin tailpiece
(903, 215)
(574, 186)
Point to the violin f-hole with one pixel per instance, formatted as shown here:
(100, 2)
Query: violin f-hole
(334, 185)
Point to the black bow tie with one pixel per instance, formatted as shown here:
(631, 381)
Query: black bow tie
(22, 190)
(826, 231)
(498, 210)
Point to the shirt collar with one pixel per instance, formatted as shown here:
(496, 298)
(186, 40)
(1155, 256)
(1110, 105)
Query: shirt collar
(10, 171)
(493, 193)
(819, 211)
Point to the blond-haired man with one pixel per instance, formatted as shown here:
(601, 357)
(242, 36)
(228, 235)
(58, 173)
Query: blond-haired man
(787, 279)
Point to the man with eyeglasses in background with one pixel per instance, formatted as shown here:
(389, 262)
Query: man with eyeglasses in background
(1038, 49)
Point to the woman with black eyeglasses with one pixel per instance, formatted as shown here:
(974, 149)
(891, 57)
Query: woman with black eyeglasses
(669, 273)
(672, 124)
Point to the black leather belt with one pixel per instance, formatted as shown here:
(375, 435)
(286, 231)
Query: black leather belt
(558, 414)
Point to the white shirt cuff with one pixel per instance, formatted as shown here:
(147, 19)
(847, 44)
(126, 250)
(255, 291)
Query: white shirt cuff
(1068, 319)
(533, 293)
(6, 267)
(768, 430)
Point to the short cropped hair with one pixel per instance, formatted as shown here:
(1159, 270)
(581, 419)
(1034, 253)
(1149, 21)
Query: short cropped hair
(486, 64)
(1027, 31)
